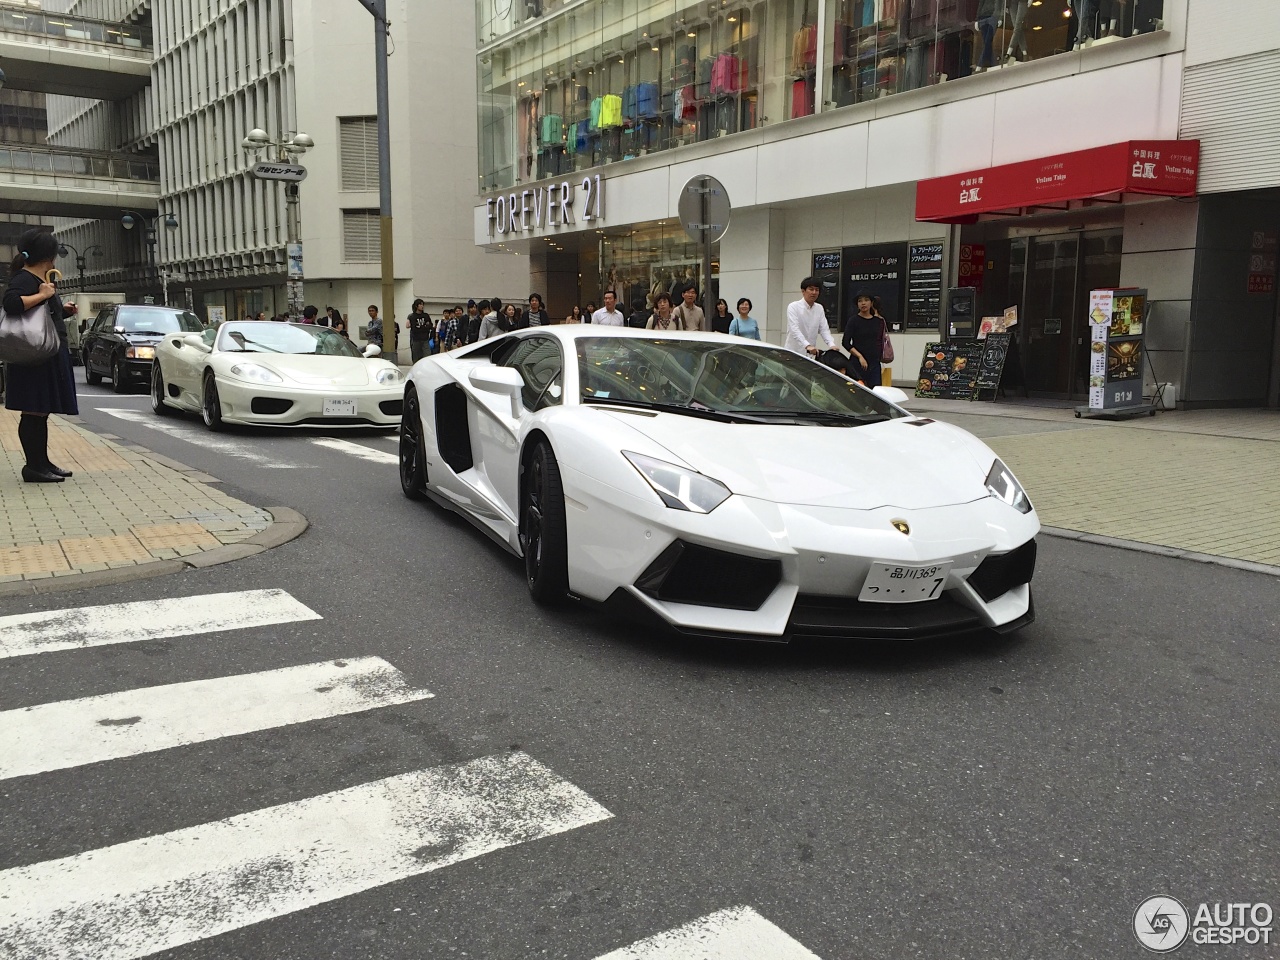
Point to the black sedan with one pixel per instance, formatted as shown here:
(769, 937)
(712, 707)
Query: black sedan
(121, 342)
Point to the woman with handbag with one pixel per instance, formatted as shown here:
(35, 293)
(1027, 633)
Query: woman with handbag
(39, 389)
(864, 339)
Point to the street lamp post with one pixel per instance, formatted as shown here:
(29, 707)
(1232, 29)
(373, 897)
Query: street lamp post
(95, 251)
(131, 219)
(381, 28)
(286, 152)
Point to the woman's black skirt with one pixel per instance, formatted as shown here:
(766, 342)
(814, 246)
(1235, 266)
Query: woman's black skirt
(49, 387)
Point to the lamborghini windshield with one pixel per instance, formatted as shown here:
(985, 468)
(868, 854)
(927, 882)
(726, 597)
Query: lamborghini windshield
(754, 382)
(293, 338)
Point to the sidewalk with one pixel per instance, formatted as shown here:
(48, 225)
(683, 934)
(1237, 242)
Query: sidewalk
(126, 513)
(1202, 484)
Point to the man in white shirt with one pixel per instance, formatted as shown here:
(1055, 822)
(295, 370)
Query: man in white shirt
(607, 315)
(689, 312)
(807, 321)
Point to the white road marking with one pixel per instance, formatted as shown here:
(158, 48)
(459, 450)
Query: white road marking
(356, 450)
(160, 892)
(27, 633)
(733, 934)
(54, 736)
(200, 437)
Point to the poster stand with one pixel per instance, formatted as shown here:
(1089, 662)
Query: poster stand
(1118, 319)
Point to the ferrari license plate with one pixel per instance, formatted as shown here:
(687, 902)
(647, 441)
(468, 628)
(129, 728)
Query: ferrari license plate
(900, 583)
(339, 408)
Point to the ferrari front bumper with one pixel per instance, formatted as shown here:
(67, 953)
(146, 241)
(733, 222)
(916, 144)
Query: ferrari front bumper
(281, 405)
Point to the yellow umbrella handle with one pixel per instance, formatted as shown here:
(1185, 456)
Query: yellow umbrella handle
(53, 276)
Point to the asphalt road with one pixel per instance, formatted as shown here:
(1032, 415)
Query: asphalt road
(1014, 797)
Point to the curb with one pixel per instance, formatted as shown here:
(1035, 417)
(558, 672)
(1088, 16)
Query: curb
(1176, 553)
(286, 524)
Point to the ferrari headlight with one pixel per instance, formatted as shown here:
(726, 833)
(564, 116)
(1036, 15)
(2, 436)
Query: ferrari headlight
(140, 353)
(256, 373)
(388, 375)
(679, 487)
(1004, 486)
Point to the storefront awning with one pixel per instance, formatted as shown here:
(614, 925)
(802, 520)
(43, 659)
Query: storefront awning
(1165, 168)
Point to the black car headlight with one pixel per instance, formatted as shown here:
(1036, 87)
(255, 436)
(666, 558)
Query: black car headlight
(679, 487)
(1004, 486)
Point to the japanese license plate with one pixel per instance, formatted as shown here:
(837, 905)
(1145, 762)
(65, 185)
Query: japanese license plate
(339, 408)
(902, 583)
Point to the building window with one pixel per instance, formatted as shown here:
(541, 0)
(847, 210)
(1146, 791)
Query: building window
(358, 147)
(361, 236)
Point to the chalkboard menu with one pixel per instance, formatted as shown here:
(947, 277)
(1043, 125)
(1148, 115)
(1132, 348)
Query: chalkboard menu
(949, 371)
(993, 357)
(924, 285)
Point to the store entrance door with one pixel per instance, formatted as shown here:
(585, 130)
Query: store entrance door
(1050, 278)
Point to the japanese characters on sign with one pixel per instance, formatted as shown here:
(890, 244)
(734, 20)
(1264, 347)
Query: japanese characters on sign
(924, 285)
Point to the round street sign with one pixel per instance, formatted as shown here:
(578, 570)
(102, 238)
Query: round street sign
(690, 208)
(293, 172)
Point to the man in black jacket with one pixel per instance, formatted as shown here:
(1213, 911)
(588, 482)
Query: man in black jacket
(421, 330)
(536, 315)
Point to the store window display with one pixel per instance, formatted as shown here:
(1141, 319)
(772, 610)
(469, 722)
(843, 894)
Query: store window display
(567, 87)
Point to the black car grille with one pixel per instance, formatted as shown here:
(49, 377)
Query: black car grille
(689, 573)
(815, 616)
(270, 405)
(1000, 573)
(392, 408)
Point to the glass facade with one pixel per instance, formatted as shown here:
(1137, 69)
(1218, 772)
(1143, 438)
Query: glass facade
(565, 86)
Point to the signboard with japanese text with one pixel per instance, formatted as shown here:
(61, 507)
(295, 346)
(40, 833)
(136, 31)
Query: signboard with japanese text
(1117, 324)
(826, 267)
(877, 269)
(1262, 262)
(973, 265)
(924, 285)
(948, 371)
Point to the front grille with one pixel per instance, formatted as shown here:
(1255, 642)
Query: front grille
(816, 616)
(392, 408)
(270, 405)
(689, 573)
(1000, 573)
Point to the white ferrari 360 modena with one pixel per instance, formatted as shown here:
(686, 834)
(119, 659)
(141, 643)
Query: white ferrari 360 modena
(726, 486)
(276, 375)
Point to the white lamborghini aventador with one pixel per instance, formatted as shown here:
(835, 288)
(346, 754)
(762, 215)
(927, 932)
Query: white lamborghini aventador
(723, 485)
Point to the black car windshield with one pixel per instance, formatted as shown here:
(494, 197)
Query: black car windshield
(157, 321)
(292, 338)
(763, 382)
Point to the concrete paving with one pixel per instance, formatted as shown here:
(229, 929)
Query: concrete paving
(125, 507)
(1200, 483)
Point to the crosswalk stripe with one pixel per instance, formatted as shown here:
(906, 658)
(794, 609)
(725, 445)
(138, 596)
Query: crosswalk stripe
(731, 934)
(54, 736)
(199, 437)
(29, 633)
(356, 450)
(160, 892)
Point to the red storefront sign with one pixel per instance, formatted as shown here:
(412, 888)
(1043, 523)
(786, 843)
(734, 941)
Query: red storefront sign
(1262, 262)
(1166, 168)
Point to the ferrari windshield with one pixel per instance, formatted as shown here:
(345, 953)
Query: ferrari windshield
(292, 338)
(156, 320)
(754, 381)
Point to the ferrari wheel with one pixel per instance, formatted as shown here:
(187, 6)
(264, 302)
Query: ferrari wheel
(158, 405)
(90, 376)
(210, 406)
(545, 542)
(117, 377)
(413, 462)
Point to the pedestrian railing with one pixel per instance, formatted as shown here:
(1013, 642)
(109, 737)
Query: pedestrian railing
(130, 38)
(59, 160)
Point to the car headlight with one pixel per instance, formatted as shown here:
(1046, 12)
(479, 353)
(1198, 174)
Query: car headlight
(679, 487)
(140, 353)
(1004, 486)
(256, 373)
(388, 375)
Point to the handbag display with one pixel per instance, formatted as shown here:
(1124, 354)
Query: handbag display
(28, 339)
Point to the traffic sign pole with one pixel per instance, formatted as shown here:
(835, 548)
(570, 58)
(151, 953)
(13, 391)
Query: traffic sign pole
(704, 212)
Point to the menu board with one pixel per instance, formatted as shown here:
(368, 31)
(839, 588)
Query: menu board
(924, 285)
(1117, 322)
(949, 371)
(993, 357)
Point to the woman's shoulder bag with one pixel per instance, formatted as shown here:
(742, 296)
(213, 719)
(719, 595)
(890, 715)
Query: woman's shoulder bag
(30, 338)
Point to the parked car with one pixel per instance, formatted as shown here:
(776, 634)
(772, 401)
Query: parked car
(121, 342)
(275, 374)
(721, 485)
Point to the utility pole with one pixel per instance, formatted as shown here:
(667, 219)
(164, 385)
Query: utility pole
(381, 27)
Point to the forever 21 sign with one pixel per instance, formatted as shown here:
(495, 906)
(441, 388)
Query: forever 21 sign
(548, 206)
